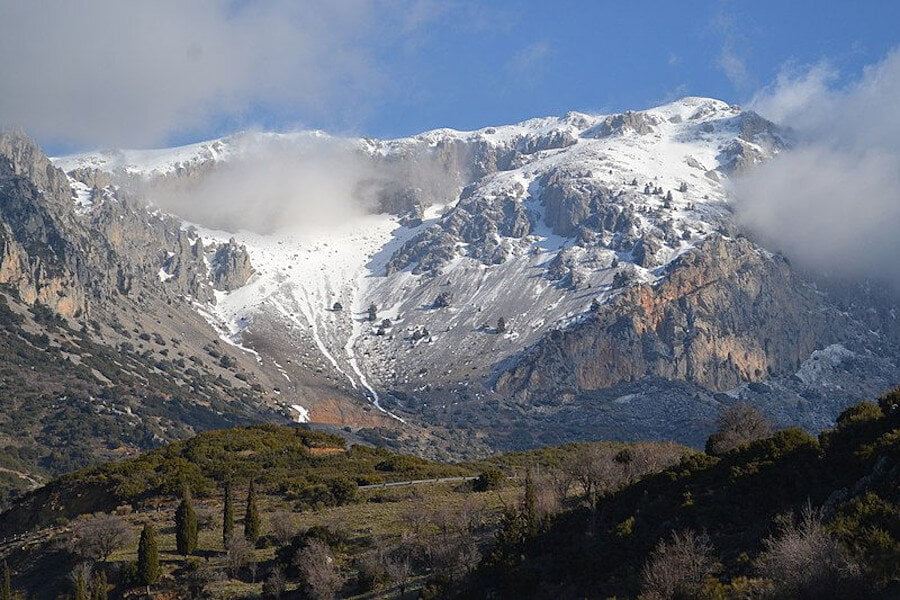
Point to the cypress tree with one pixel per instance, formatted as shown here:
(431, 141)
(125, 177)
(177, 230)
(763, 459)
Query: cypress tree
(185, 525)
(98, 587)
(251, 516)
(6, 592)
(81, 587)
(529, 508)
(148, 556)
(227, 517)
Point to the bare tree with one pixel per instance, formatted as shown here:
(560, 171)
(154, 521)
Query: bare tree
(736, 426)
(282, 526)
(417, 517)
(470, 516)
(206, 518)
(238, 554)
(452, 556)
(805, 561)
(398, 569)
(561, 481)
(199, 577)
(97, 537)
(274, 585)
(602, 469)
(678, 569)
(317, 567)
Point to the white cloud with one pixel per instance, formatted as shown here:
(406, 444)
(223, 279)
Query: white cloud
(832, 203)
(528, 64)
(120, 73)
(731, 58)
(734, 67)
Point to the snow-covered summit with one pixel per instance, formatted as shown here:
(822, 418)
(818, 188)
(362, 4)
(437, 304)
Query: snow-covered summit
(150, 162)
(531, 225)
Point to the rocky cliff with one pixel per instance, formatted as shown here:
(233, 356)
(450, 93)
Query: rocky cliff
(561, 278)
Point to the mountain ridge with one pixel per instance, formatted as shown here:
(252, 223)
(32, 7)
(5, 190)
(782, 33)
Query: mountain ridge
(574, 277)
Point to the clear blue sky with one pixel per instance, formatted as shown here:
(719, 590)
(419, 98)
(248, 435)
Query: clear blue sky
(129, 74)
(516, 60)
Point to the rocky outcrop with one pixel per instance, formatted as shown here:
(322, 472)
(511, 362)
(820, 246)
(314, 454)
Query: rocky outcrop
(634, 122)
(727, 313)
(117, 246)
(230, 266)
(24, 158)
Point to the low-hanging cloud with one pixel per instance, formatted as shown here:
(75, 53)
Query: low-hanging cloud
(303, 182)
(126, 74)
(833, 202)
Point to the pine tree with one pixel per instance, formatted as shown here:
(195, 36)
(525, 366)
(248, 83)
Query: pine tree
(251, 516)
(98, 587)
(6, 592)
(227, 517)
(185, 525)
(148, 556)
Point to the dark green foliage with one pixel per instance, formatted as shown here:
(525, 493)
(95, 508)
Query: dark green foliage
(251, 515)
(99, 587)
(148, 556)
(308, 466)
(185, 525)
(489, 479)
(737, 500)
(227, 515)
(529, 506)
(6, 591)
(81, 587)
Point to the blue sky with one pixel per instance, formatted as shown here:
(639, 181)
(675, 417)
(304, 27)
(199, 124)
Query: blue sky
(550, 57)
(172, 72)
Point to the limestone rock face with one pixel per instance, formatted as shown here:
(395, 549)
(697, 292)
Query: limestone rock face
(115, 246)
(728, 313)
(630, 121)
(606, 245)
(230, 266)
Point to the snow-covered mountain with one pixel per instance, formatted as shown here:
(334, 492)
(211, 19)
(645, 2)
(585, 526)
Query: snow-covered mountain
(568, 277)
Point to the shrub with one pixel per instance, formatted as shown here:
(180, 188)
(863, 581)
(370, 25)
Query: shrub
(804, 561)
(679, 568)
(489, 479)
(737, 426)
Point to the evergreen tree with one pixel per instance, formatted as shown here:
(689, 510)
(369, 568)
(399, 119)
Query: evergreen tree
(6, 592)
(227, 516)
(81, 586)
(148, 556)
(529, 506)
(98, 587)
(185, 525)
(251, 516)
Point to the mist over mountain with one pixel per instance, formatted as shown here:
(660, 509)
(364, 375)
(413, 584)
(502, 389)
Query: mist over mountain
(562, 278)
(833, 202)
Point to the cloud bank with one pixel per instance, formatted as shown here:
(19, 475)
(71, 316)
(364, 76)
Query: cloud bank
(833, 202)
(303, 182)
(126, 74)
